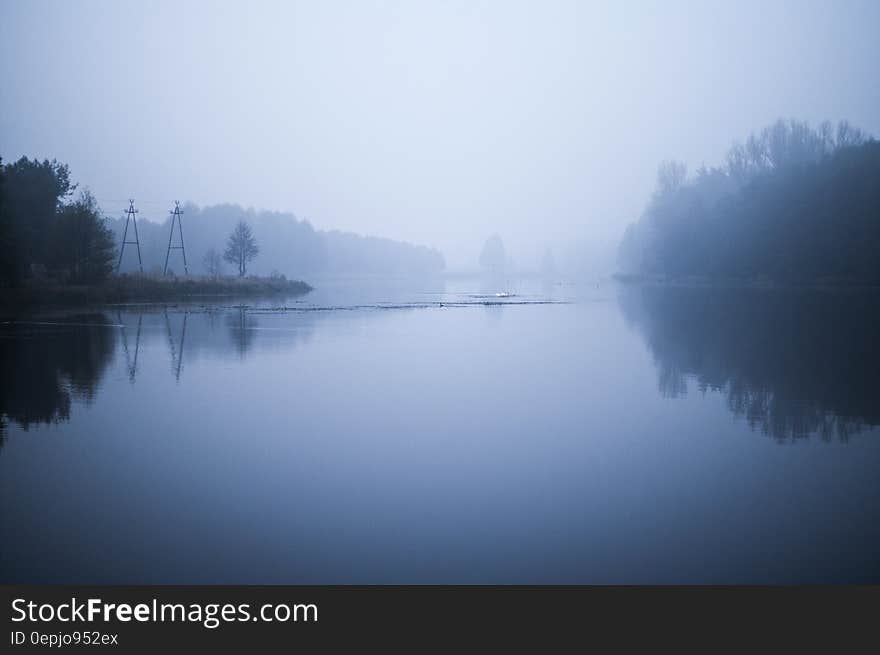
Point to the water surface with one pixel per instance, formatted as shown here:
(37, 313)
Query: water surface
(446, 432)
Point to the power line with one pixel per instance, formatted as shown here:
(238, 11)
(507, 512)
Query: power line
(116, 200)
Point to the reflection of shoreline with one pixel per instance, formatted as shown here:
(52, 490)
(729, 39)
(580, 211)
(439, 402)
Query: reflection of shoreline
(47, 362)
(45, 365)
(828, 285)
(792, 363)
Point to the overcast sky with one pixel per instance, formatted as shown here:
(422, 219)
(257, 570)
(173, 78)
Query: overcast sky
(434, 122)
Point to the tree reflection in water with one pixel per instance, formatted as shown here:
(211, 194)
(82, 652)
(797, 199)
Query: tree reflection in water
(793, 363)
(47, 363)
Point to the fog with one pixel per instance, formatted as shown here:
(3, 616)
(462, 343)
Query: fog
(471, 292)
(437, 123)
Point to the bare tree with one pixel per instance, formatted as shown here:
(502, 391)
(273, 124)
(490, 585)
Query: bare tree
(847, 135)
(671, 176)
(213, 263)
(826, 135)
(241, 247)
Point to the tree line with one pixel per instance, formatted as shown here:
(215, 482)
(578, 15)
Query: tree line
(50, 229)
(46, 230)
(288, 245)
(791, 204)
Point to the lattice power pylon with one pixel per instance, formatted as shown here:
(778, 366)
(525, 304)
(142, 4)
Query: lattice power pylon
(176, 216)
(130, 216)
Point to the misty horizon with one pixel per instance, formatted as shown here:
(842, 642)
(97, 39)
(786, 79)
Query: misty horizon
(434, 124)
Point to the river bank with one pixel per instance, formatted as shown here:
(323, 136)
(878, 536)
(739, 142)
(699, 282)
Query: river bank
(825, 283)
(144, 288)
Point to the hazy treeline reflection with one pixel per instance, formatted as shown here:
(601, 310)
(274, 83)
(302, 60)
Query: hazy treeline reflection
(45, 364)
(792, 363)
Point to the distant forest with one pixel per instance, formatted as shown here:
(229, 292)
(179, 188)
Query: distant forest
(48, 231)
(792, 204)
(288, 246)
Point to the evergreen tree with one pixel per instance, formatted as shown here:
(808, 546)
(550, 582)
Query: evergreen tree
(81, 245)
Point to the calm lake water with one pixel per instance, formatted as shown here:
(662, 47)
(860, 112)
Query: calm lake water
(376, 433)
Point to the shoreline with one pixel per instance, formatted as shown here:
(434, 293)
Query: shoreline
(146, 289)
(739, 283)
